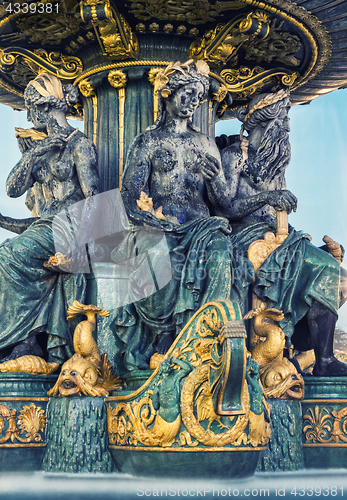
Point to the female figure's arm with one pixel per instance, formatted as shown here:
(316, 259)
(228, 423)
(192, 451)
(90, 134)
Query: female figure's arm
(17, 226)
(20, 178)
(85, 161)
(136, 174)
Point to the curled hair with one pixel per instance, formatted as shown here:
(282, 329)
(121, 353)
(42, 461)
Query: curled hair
(70, 95)
(177, 78)
(264, 114)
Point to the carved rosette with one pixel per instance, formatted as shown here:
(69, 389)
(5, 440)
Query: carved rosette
(86, 88)
(117, 79)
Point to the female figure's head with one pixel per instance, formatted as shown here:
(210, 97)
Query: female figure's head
(46, 93)
(181, 88)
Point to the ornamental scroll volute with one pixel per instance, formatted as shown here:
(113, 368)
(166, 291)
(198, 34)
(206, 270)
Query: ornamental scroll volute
(204, 393)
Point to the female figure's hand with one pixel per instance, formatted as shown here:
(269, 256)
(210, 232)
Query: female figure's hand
(47, 144)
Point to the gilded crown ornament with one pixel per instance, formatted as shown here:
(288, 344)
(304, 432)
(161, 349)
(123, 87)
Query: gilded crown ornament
(162, 77)
(267, 101)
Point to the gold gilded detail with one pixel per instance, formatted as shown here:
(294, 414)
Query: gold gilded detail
(141, 415)
(259, 250)
(113, 33)
(29, 364)
(86, 372)
(221, 94)
(57, 261)
(312, 29)
(245, 82)
(334, 248)
(317, 425)
(341, 356)
(175, 408)
(87, 90)
(278, 375)
(277, 46)
(30, 133)
(191, 11)
(222, 43)
(205, 410)
(23, 63)
(31, 420)
(152, 74)
(121, 65)
(280, 380)
(45, 29)
(321, 426)
(154, 27)
(145, 203)
(115, 45)
(118, 79)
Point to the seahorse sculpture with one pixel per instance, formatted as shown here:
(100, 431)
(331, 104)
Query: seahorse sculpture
(278, 375)
(265, 326)
(86, 372)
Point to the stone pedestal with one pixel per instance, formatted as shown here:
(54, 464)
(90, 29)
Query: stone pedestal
(324, 423)
(23, 402)
(77, 436)
(284, 451)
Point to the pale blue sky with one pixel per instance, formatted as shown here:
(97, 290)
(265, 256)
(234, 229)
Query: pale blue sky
(317, 174)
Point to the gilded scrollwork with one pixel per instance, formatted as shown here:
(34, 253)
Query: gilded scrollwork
(177, 407)
(317, 425)
(278, 46)
(246, 82)
(31, 420)
(45, 30)
(113, 32)
(221, 44)
(323, 425)
(191, 11)
(118, 39)
(25, 63)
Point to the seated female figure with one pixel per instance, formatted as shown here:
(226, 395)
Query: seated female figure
(179, 168)
(64, 163)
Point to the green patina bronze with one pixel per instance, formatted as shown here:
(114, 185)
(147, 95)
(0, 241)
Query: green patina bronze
(77, 436)
(187, 406)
